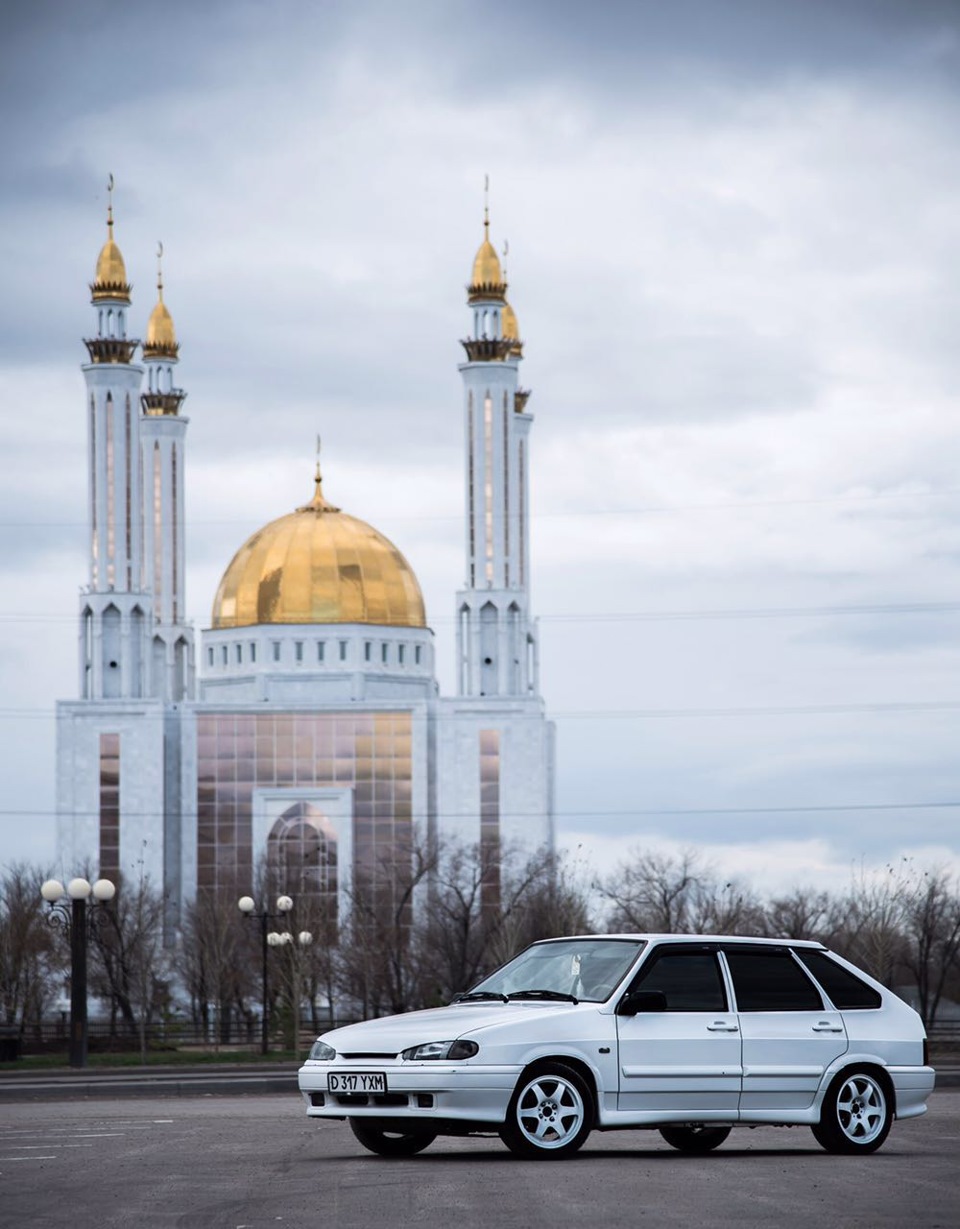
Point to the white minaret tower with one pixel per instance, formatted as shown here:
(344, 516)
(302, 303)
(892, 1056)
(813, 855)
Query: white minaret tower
(162, 438)
(115, 611)
(496, 640)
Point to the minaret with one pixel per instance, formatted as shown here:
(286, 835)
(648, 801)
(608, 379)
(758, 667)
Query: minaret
(115, 612)
(163, 436)
(496, 640)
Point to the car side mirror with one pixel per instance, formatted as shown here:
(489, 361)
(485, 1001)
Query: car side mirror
(634, 1002)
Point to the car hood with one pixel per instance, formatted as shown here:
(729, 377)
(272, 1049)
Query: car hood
(391, 1034)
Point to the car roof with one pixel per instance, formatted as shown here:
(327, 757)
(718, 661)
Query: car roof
(664, 937)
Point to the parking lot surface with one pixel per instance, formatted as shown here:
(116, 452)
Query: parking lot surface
(248, 1162)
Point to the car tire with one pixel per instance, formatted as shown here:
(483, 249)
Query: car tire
(856, 1114)
(391, 1139)
(695, 1139)
(550, 1114)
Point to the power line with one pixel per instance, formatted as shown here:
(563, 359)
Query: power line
(580, 512)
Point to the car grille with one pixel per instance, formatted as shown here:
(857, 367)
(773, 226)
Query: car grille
(367, 1054)
(381, 1100)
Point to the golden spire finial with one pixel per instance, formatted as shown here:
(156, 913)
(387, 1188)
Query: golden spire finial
(318, 503)
(486, 280)
(110, 279)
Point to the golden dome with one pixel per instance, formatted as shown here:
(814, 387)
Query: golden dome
(161, 339)
(486, 266)
(110, 280)
(110, 266)
(486, 279)
(510, 329)
(318, 565)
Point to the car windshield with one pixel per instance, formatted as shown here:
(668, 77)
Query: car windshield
(572, 969)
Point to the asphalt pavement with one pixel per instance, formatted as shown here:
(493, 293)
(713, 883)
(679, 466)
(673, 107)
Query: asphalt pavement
(260, 1163)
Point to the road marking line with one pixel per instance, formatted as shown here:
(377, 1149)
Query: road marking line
(4, 1159)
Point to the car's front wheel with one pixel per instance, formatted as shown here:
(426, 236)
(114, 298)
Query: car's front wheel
(695, 1139)
(856, 1114)
(550, 1114)
(394, 1139)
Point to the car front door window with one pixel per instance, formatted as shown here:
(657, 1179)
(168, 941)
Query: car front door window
(683, 1060)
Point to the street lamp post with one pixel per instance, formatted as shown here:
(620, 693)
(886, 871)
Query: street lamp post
(247, 906)
(296, 944)
(74, 921)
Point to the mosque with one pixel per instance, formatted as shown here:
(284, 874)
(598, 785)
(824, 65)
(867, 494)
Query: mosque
(305, 725)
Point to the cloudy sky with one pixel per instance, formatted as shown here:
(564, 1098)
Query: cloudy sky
(734, 233)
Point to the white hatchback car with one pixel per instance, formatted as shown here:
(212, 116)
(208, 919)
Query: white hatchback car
(688, 1035)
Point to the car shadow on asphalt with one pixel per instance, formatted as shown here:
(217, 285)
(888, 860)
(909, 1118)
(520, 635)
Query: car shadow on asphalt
(493, 1154)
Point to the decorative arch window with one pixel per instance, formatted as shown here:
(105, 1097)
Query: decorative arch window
(302, 855)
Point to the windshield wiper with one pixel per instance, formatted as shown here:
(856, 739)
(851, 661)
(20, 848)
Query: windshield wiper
(543, 994)
(475, 996)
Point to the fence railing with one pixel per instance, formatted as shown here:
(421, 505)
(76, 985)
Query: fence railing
(52, 1035)
(105, 1036)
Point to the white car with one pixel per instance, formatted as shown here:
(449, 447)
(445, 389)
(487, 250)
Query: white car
(688, 1035)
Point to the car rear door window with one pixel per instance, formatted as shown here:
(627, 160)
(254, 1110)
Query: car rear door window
(690, 980)
(846, 991)
(771, 980)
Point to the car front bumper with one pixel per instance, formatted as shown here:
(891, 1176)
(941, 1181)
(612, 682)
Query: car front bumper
(417, 1091)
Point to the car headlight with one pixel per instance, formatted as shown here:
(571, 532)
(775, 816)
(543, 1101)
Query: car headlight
(322, 1052)
(441, 1050)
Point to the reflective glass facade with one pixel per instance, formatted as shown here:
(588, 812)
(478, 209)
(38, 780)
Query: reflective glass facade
(490, 816)
(110, 806)
(368, 753)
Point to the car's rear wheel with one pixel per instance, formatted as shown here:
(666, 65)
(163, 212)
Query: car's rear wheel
(550, 1114)
(856, 1114)
(695, 1139)
(391, 1139)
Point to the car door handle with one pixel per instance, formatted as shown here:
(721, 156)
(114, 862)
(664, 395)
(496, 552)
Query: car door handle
(723, 1026)
(825, 1026)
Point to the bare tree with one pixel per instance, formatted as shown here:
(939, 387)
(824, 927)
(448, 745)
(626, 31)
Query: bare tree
(873, 913)
(469, 931)
(803, 913)
(130, 961)
(541, 898)
(654, 892)
(725, 908)
(380, 952)
(215, 962)
(32, 963)
(932, 922)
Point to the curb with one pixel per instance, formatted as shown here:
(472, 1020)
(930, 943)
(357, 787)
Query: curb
(59, 1088)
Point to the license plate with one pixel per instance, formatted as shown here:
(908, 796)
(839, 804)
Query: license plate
(357, 1081)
